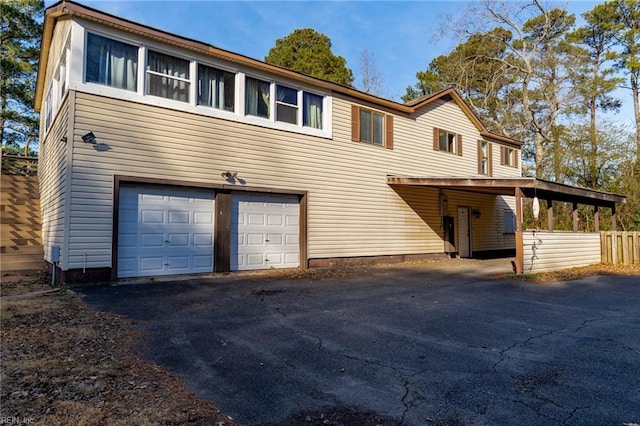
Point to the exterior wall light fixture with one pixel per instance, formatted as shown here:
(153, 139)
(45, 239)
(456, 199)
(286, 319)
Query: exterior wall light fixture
(89, 138)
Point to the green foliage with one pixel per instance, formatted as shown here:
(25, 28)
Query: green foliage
(20, 31)
(309, 52)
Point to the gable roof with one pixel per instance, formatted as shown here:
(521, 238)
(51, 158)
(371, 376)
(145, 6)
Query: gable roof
(72, 9)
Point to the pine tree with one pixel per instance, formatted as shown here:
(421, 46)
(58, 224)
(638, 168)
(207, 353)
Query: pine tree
(20, 31)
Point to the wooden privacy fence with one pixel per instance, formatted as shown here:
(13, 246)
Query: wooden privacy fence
(620, 247)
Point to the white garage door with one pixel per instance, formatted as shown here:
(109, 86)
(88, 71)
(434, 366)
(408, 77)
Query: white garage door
(164, 231)
(265, 232)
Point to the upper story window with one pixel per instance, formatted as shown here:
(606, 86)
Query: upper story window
(508, 157)
(216, 88)
(111, 63)
(162, 75)
(257, 97)
(312, 110)
(372, 127)
(446, 141)
(48, 110)
(167, 76)
(485, 163)
(286, 104)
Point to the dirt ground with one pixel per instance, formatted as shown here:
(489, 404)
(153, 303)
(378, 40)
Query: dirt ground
(63, 363)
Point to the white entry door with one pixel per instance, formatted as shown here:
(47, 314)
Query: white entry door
(265, 232)
(164, 231)
(464, 231)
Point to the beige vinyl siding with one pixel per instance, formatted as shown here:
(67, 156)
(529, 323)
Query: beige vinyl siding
(52, 172)
(351, 209)
(551, 251)
(414, 143)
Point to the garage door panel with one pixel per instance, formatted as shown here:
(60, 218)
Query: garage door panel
(151, 264)
(179, 217)
(255, 219)
(164, 231)
(202, 218)
(175, 263)
(151, 240)
(254, 239)
(178, 240)
(255, 259)
(203, 240)
(204, 262)
(152, 216)
(274, 219)
(291, 220)
(292, 240)
(264, 232)
(274, 239)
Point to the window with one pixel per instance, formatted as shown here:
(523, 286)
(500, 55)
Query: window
(216, 88)
(371, 127)
(167, 76)
(48, 110)
(509, 157)
(111, 63)
(256, 100)
(286, 104)
(485, 163)
(509, 222)
(446, 141)
(312, 110)
(61, 75)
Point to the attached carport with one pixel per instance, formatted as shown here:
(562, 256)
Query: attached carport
(521, 188)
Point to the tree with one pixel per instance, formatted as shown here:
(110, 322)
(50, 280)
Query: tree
(626, 16)
(513, 66)
(594, 80)
(20, 32)
(372, 81)
(309, 52)
(473, 70)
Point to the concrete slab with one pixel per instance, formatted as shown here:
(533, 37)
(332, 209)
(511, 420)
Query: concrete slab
(428, 343)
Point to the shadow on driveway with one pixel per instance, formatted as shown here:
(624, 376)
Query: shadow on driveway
(412, 344)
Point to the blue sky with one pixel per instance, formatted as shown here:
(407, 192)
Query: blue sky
(401, 36)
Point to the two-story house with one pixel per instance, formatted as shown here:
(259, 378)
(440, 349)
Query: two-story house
(164, 155)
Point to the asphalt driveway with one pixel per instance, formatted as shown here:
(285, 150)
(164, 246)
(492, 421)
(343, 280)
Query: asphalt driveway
(415, 344)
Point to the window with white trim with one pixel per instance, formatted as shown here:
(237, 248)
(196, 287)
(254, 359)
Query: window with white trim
(286, 104)
(509, 157)
(167, 76)
(312, 110)
(48, 110)
(111, 63)
(447, 141)
(485, 162)
(257, 97)
(216, 88)
(202, 84)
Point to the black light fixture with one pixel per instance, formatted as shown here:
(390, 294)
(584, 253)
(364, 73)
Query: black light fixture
(89, 138)
(229, 175)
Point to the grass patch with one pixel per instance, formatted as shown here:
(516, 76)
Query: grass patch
(577, 273)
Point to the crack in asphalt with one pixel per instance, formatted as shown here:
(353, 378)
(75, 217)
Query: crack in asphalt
(588, 321)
